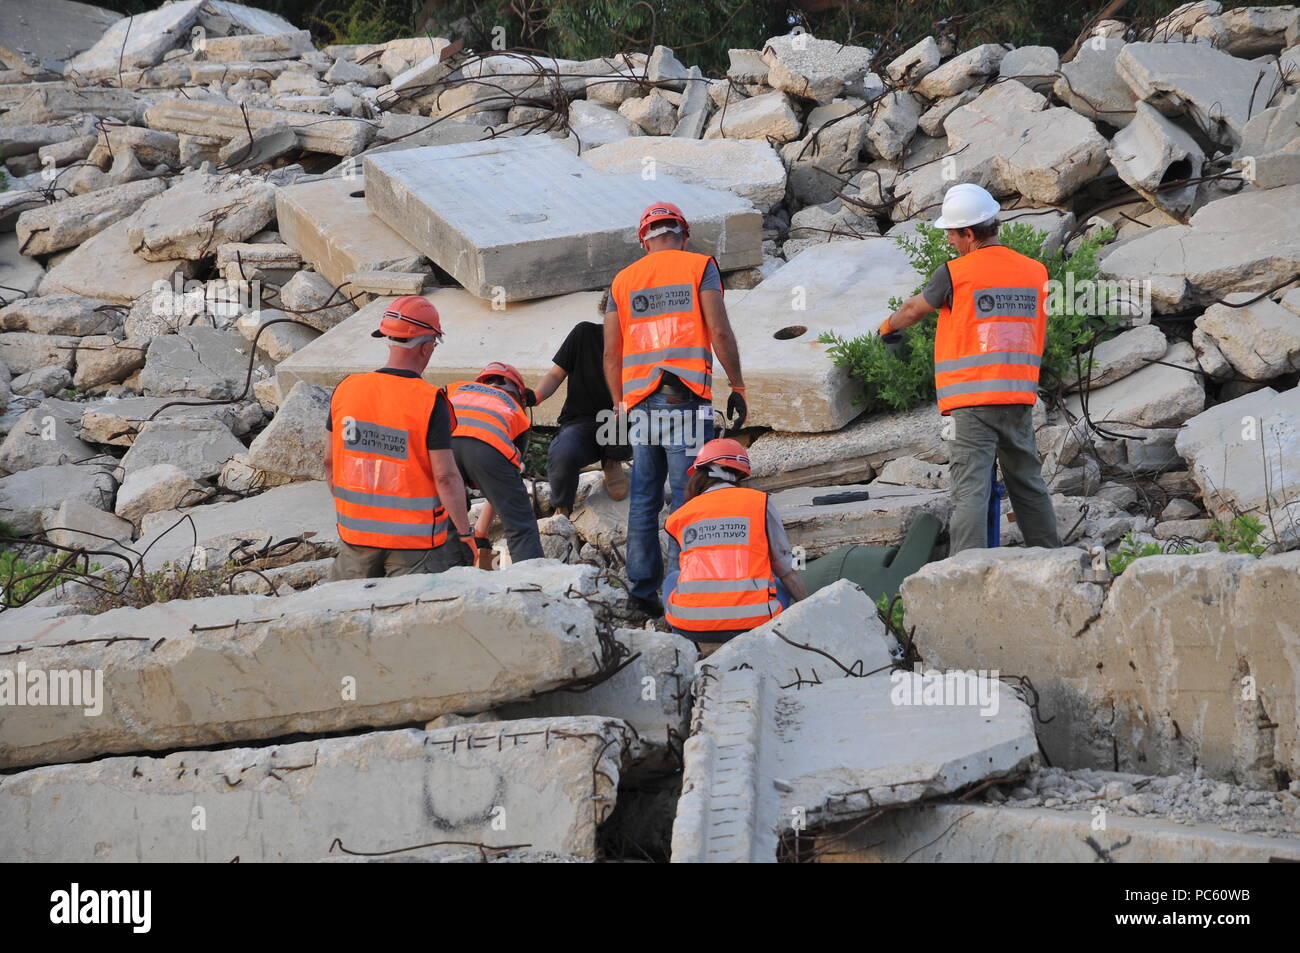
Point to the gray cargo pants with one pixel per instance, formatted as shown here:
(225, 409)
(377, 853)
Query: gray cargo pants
(499, 479)
(1007, 431)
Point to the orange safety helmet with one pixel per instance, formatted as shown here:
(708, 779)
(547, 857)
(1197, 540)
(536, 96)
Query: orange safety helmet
(661, 212)
(725, 452)
(410, 316)
(508, 371)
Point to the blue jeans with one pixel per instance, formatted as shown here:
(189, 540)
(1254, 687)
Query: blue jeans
(573, 448)
(670, 583)
(665, 439)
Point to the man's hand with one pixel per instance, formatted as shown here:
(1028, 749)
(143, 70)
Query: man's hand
(737, 408)
(530, 397)
(886, 328)
(468, 540)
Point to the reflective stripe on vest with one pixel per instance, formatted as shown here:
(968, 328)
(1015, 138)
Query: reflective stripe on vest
(989, 344)
(726, 580)
(662, 324)
(489, 414)
(385, 494)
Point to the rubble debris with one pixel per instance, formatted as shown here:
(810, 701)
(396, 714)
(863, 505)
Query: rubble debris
(747, 167)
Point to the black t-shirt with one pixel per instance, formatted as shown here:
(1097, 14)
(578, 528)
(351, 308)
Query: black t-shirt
(439, 436)
(582, 355)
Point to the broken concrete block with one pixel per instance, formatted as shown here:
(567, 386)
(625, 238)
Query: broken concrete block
(693, 113)
(390, 284)
(39, 31)
(961, 72)
(1150, 152)
(801, 65)
(1244, 455)
(72, 221)
(163, 486)
(1090, 85)
(816, 521)
(761, 762)
(850, 455)
(313, 299)
(200, 213)
(1058, 151)
(554, 780)
(23, 352)
(746, 67)
(914, 63)
(1035, 66)
(116, 422)
(196, 361)
(499, 637)
(893, 123)
(225, 120)
(46, 381)
(272, 263)
(60, 314)
(595, 125)
(267, 144)
(151, 147)
(275, 341)
(909, 471)
(56, 102)
(105, 359)
(1130, 674)
(770, 117)
(1155, 396)
(19, 276)
(1120, 356)
(45, 436)
(1244, 242)
(1250, 31)
(653, 114)
(257, 47)
(747, 167)
(571, 234)
(76, 524)
(199, 446)
(1219, 91)
(293, 444)
(25, 496)
(330, 226)
(104, 267)
(1261, 340)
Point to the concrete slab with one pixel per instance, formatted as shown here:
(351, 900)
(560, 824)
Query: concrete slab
(329, 225)
(545, 782)
(881, 520)
(761, 762)
(561, 226)
(104, 267)
(982, 834)
(38, 30)
(225, 120)
(340, 656)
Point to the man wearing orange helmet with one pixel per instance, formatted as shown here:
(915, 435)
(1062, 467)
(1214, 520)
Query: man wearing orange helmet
(490, 440)
(736, 569)
(664, 322)
(398, 494)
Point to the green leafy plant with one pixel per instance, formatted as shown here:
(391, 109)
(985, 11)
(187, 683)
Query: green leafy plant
(364, 21)
(904, 379)
(1239, 535)
(1131, 549)
(891, 612)
(162, 585)
(22, 580)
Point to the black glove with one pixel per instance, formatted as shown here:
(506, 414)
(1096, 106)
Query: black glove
(530, 397)
(737, 409)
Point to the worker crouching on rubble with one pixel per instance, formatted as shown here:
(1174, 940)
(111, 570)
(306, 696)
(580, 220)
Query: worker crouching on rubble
(988, 348)
(489, 442)
(735, 570)
(398, 495)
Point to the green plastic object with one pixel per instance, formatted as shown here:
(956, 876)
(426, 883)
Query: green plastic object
(879, 570)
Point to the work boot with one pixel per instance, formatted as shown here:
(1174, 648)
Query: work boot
(485, 553)
(653, 608)
(616, 482)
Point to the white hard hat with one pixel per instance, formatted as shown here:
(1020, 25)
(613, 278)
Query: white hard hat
(965, 205)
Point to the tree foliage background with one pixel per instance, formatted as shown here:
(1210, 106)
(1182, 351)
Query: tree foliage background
(701, 31)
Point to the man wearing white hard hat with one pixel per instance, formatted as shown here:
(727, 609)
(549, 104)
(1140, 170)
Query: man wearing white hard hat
(987, 352)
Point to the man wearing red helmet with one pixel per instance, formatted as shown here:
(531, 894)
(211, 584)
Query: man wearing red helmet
(489, 442)
(664, 322)
(736, 568)
(398, 494)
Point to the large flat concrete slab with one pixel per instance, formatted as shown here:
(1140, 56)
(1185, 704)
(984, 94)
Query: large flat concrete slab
(344, 655)
(815, 521)
(329, 225)
(762, 761)
(526, 216)
(546, 783)
(38, 30)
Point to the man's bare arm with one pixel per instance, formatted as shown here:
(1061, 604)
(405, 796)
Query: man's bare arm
(614, 358)
(912, 310)
(721, 335)
(451, 488)
(547, 385)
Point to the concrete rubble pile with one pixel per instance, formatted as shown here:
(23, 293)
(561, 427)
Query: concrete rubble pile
(206, 215)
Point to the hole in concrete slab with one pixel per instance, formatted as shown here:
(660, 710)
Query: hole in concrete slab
(1178, 170)
(357, 195)
(793, 331)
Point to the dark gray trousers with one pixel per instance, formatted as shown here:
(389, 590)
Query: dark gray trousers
(502, 484)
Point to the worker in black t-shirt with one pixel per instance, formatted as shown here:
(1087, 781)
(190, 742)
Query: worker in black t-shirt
(581, 359)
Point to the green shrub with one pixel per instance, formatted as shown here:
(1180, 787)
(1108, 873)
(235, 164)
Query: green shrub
(1130, 549)
(22, 580)
(903, 380)
(1239, 535)
(364, 21)
(891, 612)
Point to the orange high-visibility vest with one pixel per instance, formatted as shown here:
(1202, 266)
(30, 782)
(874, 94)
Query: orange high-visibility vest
(726, 579)
(989, 344)
(489, 414)
(663, 329)
(385, 494)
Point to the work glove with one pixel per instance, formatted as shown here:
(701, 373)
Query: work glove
(737, 408)
(886, 328)
(530, 397)
(468, 540)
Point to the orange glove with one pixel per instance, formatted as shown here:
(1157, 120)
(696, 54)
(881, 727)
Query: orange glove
(886, 327)
(468, 540)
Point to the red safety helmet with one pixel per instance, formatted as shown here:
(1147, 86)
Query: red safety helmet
(725, 452)
(409, 317)
(661, 212)
(508, 371)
